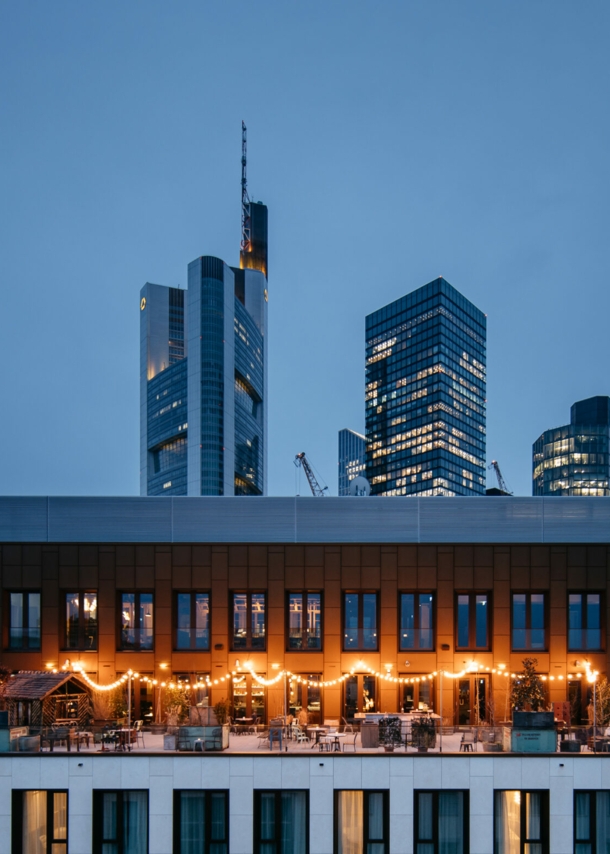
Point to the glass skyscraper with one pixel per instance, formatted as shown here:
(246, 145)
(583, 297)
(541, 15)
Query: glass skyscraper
(575, 459)
(425, 394)
(203, 376)
(351, 458)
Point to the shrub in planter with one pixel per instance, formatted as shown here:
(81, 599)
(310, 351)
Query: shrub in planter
(423, 734)
(389, 733)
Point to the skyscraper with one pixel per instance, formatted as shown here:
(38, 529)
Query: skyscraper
(203, 373)
(425, 394)
(351, 458)
(575, 459)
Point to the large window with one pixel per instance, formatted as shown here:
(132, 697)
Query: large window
(591, 822)
(361, 822)
(192, 620)
(248, 621)
(416, 693)
(416, 621)
(305, 699)
(201, 822)
(441, 822)
(584, 626)
(281, 824)
(24, 621)
(360, 621)
(120, 822)
(521, 822)
(136, 621)
(473, 616)
(360, 694)
(304, 621)
(40, 822)
(529, 621)
(81, 620)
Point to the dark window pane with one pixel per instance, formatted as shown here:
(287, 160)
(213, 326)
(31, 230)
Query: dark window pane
(295, 621)
(481, 621)
(314, 621)
(463, 625)
(240, 620)
(369, 610)
(407, 621)
(351, 621)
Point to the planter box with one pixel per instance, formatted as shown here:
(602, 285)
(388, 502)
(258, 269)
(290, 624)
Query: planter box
(530, 740)
(569, 745)
(29, 744)
(369, 734)
(169, 742)
(491, 747)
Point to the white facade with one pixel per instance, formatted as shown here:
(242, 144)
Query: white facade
(319, 774)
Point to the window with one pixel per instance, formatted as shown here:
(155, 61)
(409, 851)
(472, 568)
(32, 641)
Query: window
(417, 621)
(81, 620)
(120, 822)
(201, 822)
(136, 616)
(584, 621)
(360, 621)
(441, 822)
(248, 621)
(304, 699)
(281, 822)
(416, 693)
(591, 822)
(521, 822)
(472, 611)
(192, 620)
(361, 822)
(304, 621)
(40, 822)
(24, 621)
(529, 621)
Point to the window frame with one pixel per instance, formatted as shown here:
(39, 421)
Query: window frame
(304, 594)
(248, 645)
(207, 796)
(360, 646)
(193, 626)
(277, 840)
(98, 819)
(435, 818)
(137, 646)
(366, 793)
(17, 819)
(528, 620)
(544, 822)
(81, 620)
(25, 611)
(583, 616)
(472, 620)
(416, 628)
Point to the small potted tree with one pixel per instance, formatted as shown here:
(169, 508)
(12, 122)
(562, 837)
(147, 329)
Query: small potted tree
(528, 697)
(389, 733)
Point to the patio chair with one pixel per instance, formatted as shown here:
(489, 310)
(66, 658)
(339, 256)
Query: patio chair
(213, 741)
(139, 732)
(263, 739)
(298, 735)
(349, 742)
(346, 726)
(467, 744)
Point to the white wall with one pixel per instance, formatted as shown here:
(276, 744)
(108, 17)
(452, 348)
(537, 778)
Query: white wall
(320, 773)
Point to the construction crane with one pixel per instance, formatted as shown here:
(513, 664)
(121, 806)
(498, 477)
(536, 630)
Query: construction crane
(302, 461)
(501, 482)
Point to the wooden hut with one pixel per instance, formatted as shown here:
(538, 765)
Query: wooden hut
(39, 699)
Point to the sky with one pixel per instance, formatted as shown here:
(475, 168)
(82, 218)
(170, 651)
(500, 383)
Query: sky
(393, 142)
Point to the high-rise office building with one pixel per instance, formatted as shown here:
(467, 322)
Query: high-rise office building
(575, 459)
(203, 373)
(425, 394)
(351, 458)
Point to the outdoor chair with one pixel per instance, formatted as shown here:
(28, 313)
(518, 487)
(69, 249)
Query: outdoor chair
(263, 739)
(467, 744)
(214, 740)
(298, 735)
(351, 743)
(346, 726)
(139, 732)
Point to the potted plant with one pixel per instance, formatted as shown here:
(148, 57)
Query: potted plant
(528, 699)
(389, 733)
(423, 734)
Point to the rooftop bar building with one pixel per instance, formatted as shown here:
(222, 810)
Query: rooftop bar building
(337, 606)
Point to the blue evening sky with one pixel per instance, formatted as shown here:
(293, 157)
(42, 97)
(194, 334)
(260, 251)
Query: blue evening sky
(392, 141)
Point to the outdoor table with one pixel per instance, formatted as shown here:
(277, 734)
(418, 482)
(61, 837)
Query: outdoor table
(317, 731)
(125, 738)
(333, 739)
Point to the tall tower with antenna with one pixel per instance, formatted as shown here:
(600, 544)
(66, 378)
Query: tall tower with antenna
(253, 246)
(203, 371)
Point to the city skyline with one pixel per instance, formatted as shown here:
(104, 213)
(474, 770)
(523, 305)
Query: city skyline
(487, 167)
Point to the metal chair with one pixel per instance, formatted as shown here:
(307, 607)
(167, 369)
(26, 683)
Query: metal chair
(350, 743)
(139, 732)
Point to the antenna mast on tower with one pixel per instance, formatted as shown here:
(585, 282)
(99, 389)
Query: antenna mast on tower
(245, 245)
